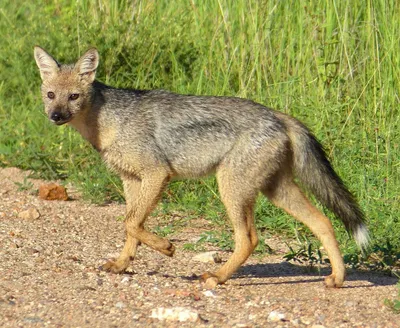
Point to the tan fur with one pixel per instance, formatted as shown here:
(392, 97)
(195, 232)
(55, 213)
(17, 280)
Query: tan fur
(150, 137)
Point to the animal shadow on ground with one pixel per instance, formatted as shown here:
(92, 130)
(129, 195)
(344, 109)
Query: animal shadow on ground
(285, 269)
(305, 275)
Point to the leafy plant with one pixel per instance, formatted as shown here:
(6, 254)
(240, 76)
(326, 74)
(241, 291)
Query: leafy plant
(222, 239)
(384, 257)
(164, 231)
(394, 305)
(306, 254)
(25, 185)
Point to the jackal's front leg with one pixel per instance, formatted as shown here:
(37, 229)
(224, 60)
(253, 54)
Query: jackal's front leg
(141, 196)
(132, 192)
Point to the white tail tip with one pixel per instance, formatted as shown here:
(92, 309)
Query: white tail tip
(361, 236)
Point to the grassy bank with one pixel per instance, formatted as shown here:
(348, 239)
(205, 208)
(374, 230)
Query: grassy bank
(332, 64)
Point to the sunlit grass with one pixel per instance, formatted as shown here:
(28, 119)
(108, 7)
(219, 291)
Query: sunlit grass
(332, 64)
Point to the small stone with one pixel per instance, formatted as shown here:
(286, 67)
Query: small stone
(125, 280)
(29, 214)
(306, 321)
(33, 319)
(276, 316)
(180, 314)
(31, 251)
(120, 305)
(136, 316)
(209, 293)
(53, 191)
(16, 244)
(207, 257)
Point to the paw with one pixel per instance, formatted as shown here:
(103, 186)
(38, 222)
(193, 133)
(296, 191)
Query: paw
(210, 280)
(333, 281)
(114, 267)
(168, 251)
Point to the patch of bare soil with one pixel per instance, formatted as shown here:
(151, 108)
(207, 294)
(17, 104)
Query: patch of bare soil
(50, 257)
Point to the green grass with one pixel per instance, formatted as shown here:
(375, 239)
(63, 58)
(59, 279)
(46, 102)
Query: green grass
(394, 304)
(335, 65)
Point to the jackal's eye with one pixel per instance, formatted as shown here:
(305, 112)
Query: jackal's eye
(51, 95)
(73, 96)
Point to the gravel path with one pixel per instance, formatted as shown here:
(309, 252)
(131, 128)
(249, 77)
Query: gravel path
(50, 278)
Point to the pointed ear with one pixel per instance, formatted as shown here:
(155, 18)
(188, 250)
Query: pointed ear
(86, 65)
(47, 64)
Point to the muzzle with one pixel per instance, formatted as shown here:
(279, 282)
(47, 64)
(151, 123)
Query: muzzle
(60, 118)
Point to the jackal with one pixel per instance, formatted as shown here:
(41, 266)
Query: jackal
(150, 137)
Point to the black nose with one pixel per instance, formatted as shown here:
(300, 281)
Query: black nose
(56, 117)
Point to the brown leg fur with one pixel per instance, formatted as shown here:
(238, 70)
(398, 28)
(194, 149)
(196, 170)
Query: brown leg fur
(288, 196)
(239, 205)
(141, 196)
(131, 191)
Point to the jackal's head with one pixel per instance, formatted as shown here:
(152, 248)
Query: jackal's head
(66, 89)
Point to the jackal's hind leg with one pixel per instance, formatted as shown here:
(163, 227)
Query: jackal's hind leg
(239, 204)
(288, 196)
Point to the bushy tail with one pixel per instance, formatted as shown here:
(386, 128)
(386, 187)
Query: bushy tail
(315, 172)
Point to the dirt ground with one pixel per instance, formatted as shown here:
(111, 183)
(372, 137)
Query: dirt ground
(50, 277)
